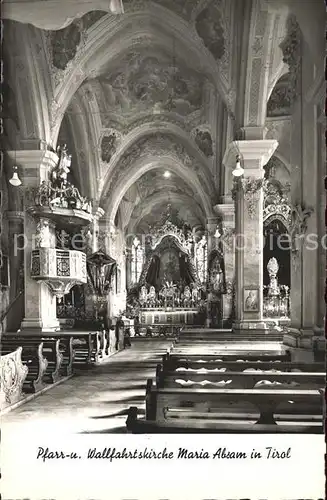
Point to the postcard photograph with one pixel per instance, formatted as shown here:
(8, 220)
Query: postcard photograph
(163, 249)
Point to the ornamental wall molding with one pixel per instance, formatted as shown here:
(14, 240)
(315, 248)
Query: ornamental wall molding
(276, 202)
(299, 225)
(164, 119)
(252, 189)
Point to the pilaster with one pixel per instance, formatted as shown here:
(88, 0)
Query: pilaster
(40, 304)
(248, 196)
(227, 216)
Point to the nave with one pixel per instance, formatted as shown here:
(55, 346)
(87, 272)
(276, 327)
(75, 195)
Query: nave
(98, 399)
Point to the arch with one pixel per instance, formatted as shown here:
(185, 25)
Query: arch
(178, 137)
(84, 132)
(112, 37)
(266, 25)
(111, 203)
(148, 204)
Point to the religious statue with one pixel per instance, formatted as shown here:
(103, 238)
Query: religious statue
(152, 296)
(143, 295)
(60, 174)
(216, 276)
(187, 296)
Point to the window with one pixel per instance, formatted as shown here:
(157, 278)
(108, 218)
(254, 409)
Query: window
(137, 261)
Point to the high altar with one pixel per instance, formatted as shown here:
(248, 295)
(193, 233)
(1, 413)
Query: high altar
(170, 283)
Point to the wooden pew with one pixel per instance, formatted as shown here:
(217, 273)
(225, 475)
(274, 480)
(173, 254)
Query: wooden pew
(54, 357)
(173, 363)
(138, 426)
(161, 402)
(51, 351)
(67, 352)
(86, 347)
(32, 358)
(238, 380)
(173, 357)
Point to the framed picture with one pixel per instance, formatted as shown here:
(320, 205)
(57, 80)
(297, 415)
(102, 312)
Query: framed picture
(251, 299)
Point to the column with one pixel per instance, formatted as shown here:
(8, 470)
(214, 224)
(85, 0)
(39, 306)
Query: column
(40, 303)
(212, 223)
(214, 301)
(248, 196)
(227, 215)
(16, 257)
(98, 213)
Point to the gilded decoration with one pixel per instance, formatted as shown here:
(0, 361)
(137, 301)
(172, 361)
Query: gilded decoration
(59, 192)
(251, 188)
(276, 204)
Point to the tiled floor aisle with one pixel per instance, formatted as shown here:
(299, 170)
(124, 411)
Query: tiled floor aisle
(94, 401)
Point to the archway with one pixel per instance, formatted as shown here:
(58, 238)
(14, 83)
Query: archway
(276, 268)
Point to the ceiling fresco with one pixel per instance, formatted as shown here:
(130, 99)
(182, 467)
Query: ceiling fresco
(145, 82)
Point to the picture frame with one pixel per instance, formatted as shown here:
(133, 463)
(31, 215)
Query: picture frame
(251, 299)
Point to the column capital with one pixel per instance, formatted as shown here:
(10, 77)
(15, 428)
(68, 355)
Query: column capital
(255, 154)
(212, 223)
(15, 216)
(225, 210)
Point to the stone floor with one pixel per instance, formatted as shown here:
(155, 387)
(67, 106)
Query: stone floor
(94, 400)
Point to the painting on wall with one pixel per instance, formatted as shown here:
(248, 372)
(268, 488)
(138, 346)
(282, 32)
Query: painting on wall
(251, 299)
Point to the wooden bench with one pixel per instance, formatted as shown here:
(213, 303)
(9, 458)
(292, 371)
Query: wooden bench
(51, 351)
(161, 402)
(138, 426)
(237, 379)
(86, 347)
(67, 352)
(173, 363)
(174, 357)
(32, 358)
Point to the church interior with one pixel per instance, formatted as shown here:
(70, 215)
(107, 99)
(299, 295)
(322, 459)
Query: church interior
(162, 216)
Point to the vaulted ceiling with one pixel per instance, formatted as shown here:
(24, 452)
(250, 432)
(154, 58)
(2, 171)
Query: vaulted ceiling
(162, 87)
